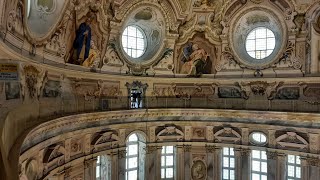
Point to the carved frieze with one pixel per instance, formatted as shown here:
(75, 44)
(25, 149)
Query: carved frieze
(91, 90)
(227, 134)
(105, 140)
(184, 91)
(259, 88)
(292, 140)
(170, 132)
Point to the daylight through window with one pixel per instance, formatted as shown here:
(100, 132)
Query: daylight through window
(133, 41)
(260, 43)
(259, 165)
(228, 167)
(132, 159)
(293, 167)
(167, 162)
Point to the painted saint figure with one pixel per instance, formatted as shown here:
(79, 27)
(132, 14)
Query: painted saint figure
(82, 42)
(195, 59)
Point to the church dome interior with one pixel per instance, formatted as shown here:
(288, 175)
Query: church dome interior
(160, 90)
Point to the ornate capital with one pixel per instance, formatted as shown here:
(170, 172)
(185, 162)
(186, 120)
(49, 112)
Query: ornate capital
(122, 154)
(210, 148)
(312, 161)
(272, 155)
(151, 149)
(187, 148)
(244, 152)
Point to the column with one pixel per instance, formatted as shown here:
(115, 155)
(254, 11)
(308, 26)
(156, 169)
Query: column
(238, 163)
(314, 168)
(245, 164)
(210, 161)
(90, 169)
(281, 167)
(272, 165)
(151, 162)
(180, 162)
(304, 168)
(114, 166)
(217, 163)
(187, 167)
(122, 164)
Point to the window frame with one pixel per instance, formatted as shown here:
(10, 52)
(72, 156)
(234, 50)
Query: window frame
(295, 165)
(255, 142)
(261, 160)
(229, 156)
(130, 143)
(100, 166)
(255, 39)
(165, 154)
(127, 36)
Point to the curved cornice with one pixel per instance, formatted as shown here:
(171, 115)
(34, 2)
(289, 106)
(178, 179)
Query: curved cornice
(83, 121)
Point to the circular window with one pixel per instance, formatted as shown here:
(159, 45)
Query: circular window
(258, 138)
(260, 43)
(133, 41)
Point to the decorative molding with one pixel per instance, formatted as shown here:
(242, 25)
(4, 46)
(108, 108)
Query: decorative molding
(122, 154)
(272, 155)
(187, 148)
(210, 148)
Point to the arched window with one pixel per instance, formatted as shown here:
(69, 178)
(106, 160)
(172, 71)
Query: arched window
(135, 157)
(103, 168)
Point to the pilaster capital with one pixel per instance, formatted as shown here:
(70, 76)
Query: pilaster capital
(122, 154)
(210, 148)
(187, 147)
(272, 155)
(310, 161)
(243, 152)
(151, 149)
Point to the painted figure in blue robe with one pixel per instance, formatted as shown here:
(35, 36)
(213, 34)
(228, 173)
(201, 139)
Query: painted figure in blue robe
(82, 43)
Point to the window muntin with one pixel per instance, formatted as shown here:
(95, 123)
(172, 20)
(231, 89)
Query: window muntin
(260, 43)
(258, 138)
(228, 165)
(103, 168)
(293, 167)
(132, 157)
(133, 41)
(259, 168)
(167, 162)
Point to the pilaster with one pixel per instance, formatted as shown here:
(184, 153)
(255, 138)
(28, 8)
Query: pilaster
(122, 164)
(210, 160)
(90, 169)
(187, 158)
(245, 164)
(217, 163)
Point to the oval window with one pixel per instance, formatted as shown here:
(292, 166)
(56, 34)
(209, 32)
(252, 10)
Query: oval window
(134, 41)
(260, 43)
(258, 138)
